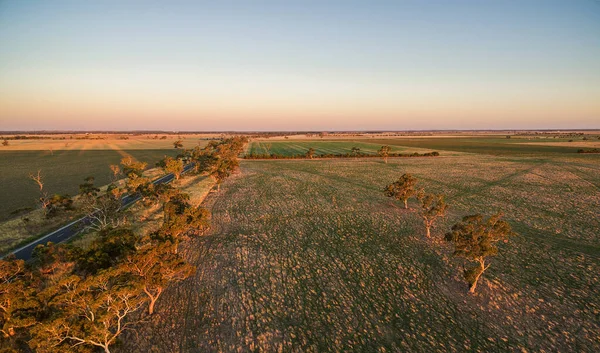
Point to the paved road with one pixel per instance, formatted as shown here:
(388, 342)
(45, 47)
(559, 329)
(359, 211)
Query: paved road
(71, 229)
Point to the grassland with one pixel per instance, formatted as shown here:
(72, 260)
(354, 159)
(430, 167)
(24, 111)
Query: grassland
(310, 256)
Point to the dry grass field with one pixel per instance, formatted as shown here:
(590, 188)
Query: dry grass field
(310, 256)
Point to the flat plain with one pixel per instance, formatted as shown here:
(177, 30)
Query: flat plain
(310, 256)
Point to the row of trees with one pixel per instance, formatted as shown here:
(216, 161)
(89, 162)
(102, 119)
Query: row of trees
(473, 238)
(75, 299)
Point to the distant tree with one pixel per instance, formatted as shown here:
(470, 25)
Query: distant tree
(310, 153)
(384, 152)
(267, 147)
(178, 144)
(116, 172)
(473, 238)
(5, 142)
(507, 136)
(156, 266)
(432, 207)
(172, 165)
(355, 151)
(58, 203)
(44, 199)
(87, 189)
(402, 189)
(130, 166)
(136, 182)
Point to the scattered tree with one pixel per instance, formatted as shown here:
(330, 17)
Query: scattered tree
(384, 152)
(310, 153)
(43, 199)
(474, 239)
(5, 142)
(116, 172)
(355, 151)
(432, 207)
(178, 144)
(402, 189)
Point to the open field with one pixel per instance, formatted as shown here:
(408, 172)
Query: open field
(310, 256)
(482, 145)
(63, 171)
(79, 142)
(291, 148)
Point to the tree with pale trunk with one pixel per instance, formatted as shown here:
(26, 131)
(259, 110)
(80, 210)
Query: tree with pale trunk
(44, 199)
(155, 266)
(116, 172)
(402, 189)
(87, 312)
(384, 152)
(433, 206)
(310, 153)
(474, 239)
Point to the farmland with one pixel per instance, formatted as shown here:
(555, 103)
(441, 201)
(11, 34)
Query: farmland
(63, 171)
(322, 147)
(310, 256)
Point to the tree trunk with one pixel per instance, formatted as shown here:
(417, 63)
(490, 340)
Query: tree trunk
(218, 187)
(481, 269)
(428, 227)
(405, 203)
(385, 160)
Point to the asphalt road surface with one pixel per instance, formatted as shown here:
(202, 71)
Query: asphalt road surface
(71, 229)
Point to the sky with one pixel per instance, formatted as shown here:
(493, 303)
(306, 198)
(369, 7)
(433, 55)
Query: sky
(299, 65)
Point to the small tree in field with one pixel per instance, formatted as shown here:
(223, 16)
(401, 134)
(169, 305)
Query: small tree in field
(355, 151)
(402, 189)
(310, 153)
(44, 198)
(5, 142)
(384, 152)
(474, 239)
(178, 144)
(432, 207)
(116, 172)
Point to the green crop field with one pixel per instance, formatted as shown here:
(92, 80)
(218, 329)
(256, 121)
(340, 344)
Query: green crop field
(291, 148)
(63, 171)
(310, 256)
(482, 145)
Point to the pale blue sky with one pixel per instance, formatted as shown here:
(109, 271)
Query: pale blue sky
(306, 65)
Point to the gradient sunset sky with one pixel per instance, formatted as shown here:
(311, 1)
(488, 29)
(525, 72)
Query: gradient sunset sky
(299, 65)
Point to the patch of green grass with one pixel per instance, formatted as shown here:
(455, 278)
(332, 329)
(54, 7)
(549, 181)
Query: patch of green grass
(481, 145)
(292, 148)
(311, 256)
